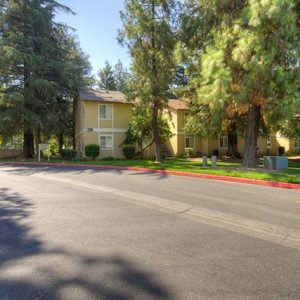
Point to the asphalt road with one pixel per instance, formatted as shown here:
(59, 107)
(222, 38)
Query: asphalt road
(73, 233)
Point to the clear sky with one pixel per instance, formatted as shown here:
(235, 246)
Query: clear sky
(97, 23)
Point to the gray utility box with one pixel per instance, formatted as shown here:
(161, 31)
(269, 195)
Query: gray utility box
(276, 162)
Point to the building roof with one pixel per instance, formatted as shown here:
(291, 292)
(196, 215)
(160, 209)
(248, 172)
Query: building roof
(118, 97)
(177, 104)
(102, 96)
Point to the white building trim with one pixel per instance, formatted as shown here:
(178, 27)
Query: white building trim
(80, 133)
(103, 130)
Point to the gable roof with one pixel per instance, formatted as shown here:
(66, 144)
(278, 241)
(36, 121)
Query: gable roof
(102, 96)
(119, 97)
(177, 104)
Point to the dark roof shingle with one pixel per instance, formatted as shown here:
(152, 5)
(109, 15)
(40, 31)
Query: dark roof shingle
(102, 96)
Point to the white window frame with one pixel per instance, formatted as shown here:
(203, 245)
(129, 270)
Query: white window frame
(109, 118)
(189, 137)
(297, 144)
(222, 137)
(112, 142)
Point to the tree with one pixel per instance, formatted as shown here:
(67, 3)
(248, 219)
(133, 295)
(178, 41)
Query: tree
(140, 129)
(180, 79)
(26, 59)
(74, 73)
(148, 33)
(249, 59)
(121, 75)
(41, 69)
(106, 78)
(195, 35)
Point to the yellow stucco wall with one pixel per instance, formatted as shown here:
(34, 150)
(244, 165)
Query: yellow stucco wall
(91, 114)
(212, 145)
(172, 144)
(78, 113)
(122, 114)
(116, 127)
(180, 120)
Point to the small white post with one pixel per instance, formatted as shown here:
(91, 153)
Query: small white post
(204, 161)
(213, 161)
(39, 153)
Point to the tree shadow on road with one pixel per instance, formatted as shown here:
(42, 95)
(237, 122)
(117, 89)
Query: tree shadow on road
(23, 170)
(30, 270)
(79, 170)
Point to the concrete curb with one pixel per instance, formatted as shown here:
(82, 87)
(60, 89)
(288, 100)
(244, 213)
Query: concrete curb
(285, 185)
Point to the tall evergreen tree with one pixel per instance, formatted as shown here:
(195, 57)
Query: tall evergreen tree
(26, 58)
(147, 32)
(248, 58)
(38, 74)
(73, 72)
(106, 78)
(121, 75)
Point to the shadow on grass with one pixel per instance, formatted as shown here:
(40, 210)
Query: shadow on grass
(30, 271)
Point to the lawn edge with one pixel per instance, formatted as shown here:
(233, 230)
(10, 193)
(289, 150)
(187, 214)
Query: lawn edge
(277, 184)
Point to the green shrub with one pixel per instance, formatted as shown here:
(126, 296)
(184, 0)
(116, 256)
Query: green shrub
(68, 154)
(92, 150)
(281, 150)
(109, 158)
(188, 152)
(128, 151)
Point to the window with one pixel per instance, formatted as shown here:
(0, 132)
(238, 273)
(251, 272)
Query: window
(106, 142)
(105, 111)
(83, 113)
(189, 142)
(223, 142)
(297, 144)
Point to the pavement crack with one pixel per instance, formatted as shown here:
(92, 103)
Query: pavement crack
(285, 237)
(182, 212)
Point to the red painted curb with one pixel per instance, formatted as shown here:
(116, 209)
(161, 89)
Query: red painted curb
(169, 172)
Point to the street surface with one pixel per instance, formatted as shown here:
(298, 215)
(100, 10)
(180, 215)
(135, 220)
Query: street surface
(75, 233)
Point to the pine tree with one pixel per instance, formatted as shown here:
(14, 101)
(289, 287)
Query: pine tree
(38, 74)
(147, 32)
(26, 52)
(248, 58)
(106, 78)
(121, 75)
(74, 72)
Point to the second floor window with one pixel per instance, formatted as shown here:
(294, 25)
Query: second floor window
(105, 111)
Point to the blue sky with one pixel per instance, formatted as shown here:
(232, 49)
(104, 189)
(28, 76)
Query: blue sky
(97, 23)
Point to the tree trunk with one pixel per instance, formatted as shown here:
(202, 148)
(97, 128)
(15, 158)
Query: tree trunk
(156, 136)
(28, 144)
(60, 142)
(232, 141)
(252, 132)
(73, 123)
(37, 139)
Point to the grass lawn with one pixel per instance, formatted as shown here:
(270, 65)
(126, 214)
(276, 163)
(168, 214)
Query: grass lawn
(224, 168)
